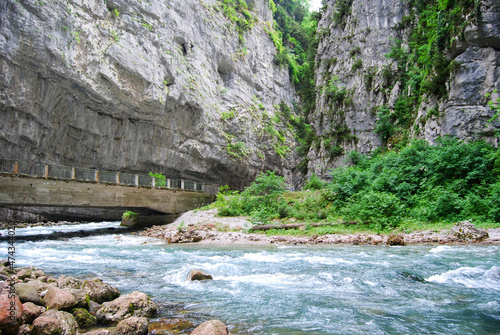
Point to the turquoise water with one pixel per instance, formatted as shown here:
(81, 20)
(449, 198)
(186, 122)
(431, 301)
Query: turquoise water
(294, 289)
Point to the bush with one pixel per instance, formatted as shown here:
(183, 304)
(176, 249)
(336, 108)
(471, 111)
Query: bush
(381, 209)
(314, 183)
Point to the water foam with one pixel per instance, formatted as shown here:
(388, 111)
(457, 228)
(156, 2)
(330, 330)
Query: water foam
(471, 277)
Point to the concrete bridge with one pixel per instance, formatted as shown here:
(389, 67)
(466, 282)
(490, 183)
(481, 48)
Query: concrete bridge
(83, 191)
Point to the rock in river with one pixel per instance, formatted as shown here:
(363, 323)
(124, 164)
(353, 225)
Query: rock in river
(132, 304)
(212, 327)
(132, 326)
(198, 275)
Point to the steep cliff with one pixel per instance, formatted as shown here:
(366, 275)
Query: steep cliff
(187, 88)
(377, 85)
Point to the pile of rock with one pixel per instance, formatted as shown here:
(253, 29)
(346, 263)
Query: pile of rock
(32, 302)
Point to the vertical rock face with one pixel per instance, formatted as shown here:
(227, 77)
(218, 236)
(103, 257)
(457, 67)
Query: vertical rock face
(162, 86)
(351, 77)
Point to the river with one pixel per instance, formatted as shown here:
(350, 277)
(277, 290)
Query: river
(418, 289)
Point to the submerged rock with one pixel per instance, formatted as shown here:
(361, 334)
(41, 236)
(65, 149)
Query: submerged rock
(133, 304)
(212, 327)
(466, 231)
(132, 326)
(198, 275)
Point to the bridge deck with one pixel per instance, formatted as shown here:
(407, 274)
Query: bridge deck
(25, 191)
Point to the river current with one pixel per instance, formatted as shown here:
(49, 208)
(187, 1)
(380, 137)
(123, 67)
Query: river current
(420, 289)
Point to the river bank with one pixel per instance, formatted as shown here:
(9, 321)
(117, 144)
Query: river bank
(205, 227)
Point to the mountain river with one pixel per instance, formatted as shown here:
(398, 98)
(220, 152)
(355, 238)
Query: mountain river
(341, 289)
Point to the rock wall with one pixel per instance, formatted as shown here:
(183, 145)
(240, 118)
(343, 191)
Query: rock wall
(160, 85)
(351, 57)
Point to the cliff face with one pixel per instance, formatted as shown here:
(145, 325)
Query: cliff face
(353, 72)
(162, 86)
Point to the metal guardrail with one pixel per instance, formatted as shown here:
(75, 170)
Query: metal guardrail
(68, 173)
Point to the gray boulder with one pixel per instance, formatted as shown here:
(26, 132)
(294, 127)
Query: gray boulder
(133, 326)
(27, 293)
(55, 322)
(31, 312)
(133, 304)
(466, 231)
(99, 291)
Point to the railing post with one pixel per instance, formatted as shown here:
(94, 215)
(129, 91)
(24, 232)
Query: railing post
(153, 182)
(194, 186)
(136, 180)
(168, 183)
(73, 173)
(202, 187)
(118, 178)
(46, 171)
(182, 184)
(96, 177)
(16, 167)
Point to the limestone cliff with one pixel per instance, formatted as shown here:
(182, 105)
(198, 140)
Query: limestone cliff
(353, 77)
(133, 85)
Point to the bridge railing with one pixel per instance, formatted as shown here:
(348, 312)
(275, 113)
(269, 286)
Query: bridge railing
(61, 172)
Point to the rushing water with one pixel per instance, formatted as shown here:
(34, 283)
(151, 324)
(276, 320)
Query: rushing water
(293, 289)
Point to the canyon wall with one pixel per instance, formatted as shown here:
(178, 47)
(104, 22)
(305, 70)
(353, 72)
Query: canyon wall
(166, 86)
(352, 70)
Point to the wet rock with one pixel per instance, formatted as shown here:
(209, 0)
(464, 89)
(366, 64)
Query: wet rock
(132, 304)
(198, 275)
(55, 322)
(132, 326)
(38, 273)
(59, 299)
(411, 276)
(99, 291)
(466, 231)
(212, 327)
(31, 312)
(396, 240)
(169, 326)
(82, 298)
(24, 273)
(69, 282)
(11, 311)
(83, 317)
(27, 293)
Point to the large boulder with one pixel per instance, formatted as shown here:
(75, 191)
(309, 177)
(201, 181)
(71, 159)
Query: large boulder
(31, 312)
(168, 326)
(198, 275)
(39, 285)
(27, 293)
(59, 299)
(98, 332)
(132, 326)
(83, 317)
(396, 240)
(11, 312)
(212, 327)
(99, 291)
(55, 322)
(132, 304)
(82, 297)
(24, 273)
(466, 231)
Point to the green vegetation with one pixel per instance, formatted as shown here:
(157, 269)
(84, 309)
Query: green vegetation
(423, 63)
(130, 215)
(239, 13)
(422, 185)
(160, 179)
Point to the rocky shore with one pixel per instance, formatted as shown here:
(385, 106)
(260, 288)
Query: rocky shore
(35, 303)
(205, 227)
